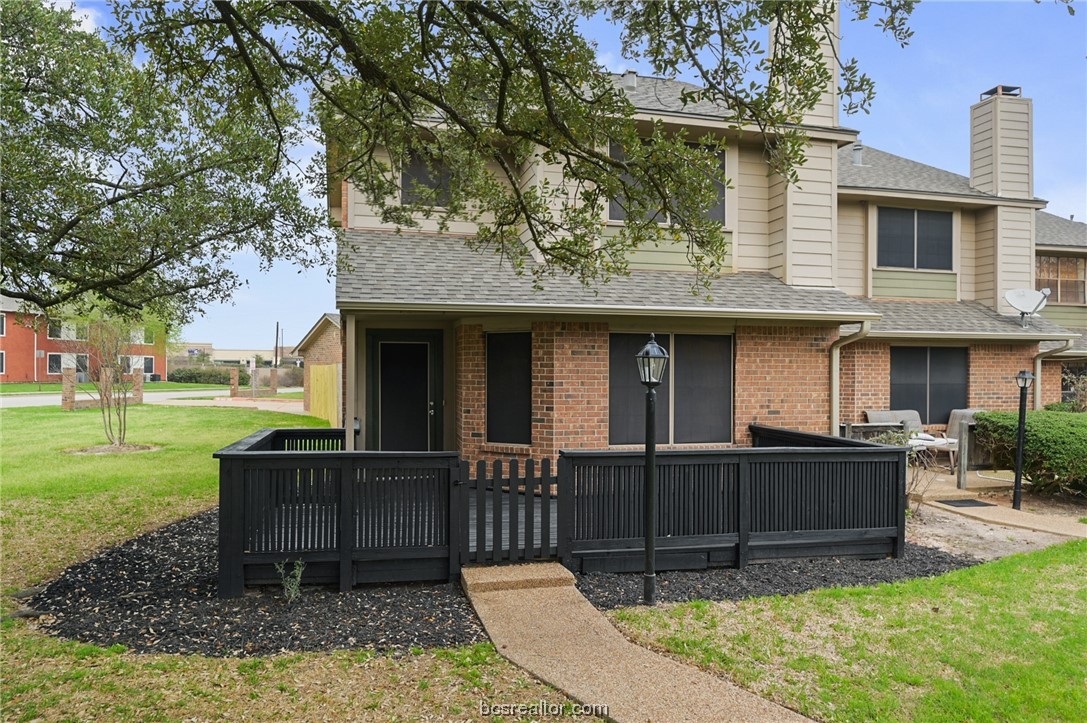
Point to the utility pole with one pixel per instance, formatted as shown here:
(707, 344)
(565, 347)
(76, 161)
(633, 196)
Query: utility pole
(275, 349)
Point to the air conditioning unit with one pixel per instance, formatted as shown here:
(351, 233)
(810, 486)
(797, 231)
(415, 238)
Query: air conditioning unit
(82, 377)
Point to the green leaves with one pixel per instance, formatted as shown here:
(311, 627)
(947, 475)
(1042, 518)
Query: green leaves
(126, 190)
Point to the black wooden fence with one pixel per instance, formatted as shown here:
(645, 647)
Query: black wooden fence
(354, 517)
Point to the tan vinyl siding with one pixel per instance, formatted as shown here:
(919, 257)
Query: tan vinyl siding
(1001, 146)
(812, 211)
(752, 237)
(668, 256)
(852, 247)
(887, 284)
(1073, 317)
(777, 227)
(363, 215)
(1015, 256)
(967, 257)
(985, 256)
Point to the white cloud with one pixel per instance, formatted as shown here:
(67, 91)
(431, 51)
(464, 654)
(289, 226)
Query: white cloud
(90, 15)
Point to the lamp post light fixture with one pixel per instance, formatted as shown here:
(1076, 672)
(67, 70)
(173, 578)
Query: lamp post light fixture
(1024, 379)
(652, 361)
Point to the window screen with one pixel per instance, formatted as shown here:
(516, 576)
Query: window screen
(626, 395)
(423, 184)
(931, 380)
(3, 362)
(509, 388)
(3, 324)
(703, 388)
(149, 365)
(54, 330)
(912, 239)
(895, 234)
(53, 364)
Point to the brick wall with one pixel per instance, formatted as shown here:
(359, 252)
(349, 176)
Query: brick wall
(865, 379)
(327, 348)
(1052, 372)
(569, 391)
(782, 378)
(992, 374)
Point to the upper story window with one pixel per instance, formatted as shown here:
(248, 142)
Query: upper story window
(617, 210)
(55, 331)
(914, 239)
(423, 183)
(1064, 276)
(3, 324)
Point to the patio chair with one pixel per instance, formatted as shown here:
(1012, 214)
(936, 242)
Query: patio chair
(908, 418)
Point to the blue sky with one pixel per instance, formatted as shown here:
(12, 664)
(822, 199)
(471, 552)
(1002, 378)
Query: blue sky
(921, 111)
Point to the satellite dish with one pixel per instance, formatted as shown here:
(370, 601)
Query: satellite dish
(1027, 302)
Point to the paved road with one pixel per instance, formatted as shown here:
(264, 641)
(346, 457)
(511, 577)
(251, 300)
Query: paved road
(9, 401)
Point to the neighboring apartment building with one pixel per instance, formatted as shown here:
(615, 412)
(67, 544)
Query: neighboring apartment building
(321, 349)
(34, 349)
(873, 283)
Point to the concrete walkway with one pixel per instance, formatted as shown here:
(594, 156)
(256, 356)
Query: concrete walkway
(943, 487)
(539, 621)
(268, 404)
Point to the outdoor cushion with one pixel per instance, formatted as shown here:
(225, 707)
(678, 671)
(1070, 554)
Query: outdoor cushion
(909, 418)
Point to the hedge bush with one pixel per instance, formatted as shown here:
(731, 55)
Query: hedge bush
(290, 377)
(1054, 449)
(206, 375)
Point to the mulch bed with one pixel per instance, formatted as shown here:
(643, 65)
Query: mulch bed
(157, 594)
(784, 577)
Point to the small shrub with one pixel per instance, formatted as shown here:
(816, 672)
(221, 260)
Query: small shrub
(290, 376)
(1054, 449)
(207, 375)
(918, 477)
(292, 581)
(1077, 384)
(1060, 407)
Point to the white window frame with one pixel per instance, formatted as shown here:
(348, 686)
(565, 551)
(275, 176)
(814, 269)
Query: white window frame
(49, 329)
(3, 324)
(3, 362)
(144, 368)
(60, 364)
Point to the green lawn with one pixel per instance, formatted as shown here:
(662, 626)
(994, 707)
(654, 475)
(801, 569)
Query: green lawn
(291, 395)
(59, 508)
(1004, 641)
(55, 387)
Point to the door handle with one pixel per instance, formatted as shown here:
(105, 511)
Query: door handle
(430, 408)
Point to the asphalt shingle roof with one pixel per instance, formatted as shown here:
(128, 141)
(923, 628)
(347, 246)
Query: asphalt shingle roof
(1051, 230)
(664, 95)
(1079, 349)
(951, 318)
(886, 171)
(436, 270)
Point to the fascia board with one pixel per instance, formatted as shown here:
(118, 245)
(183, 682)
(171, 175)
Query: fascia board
(896, 194)
(620, 310)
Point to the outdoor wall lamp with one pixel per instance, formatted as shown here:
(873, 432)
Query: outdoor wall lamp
(1024, 379)
(652, 361)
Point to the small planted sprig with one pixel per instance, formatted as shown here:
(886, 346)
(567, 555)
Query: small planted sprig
(292, 580)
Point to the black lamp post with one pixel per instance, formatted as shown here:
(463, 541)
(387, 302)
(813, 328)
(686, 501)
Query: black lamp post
(1024, 379)
(652, 360)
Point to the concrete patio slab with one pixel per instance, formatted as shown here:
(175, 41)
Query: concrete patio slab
(553, 632)
(1008, 517)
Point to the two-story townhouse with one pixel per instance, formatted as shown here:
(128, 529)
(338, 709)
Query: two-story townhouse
(1060, 247)
(871, 283)
(36, 349)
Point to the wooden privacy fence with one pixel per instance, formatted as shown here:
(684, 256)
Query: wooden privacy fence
(354, 517)
(324, 392)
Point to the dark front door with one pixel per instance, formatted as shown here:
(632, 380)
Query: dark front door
(405, 391)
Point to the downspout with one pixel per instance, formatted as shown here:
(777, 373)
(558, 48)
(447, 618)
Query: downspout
(1038, 358)
(835, 372)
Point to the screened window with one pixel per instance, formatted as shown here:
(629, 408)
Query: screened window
(617, 210)
(52, 364)
(914, 239)
(3, 324)
(149, 365)
(3, 363)
(82, 363)
(423, 183)
(1064, 276)
(694, 402)
(80, 332)
(509, 388)
(55, 330)
(931, 380)
(148, 336)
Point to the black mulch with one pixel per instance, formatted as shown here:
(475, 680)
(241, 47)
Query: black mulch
(157, 593)
(784, 577)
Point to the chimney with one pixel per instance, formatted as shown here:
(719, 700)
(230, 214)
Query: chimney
(1002, 143)
(629, 80)
(858, 154)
